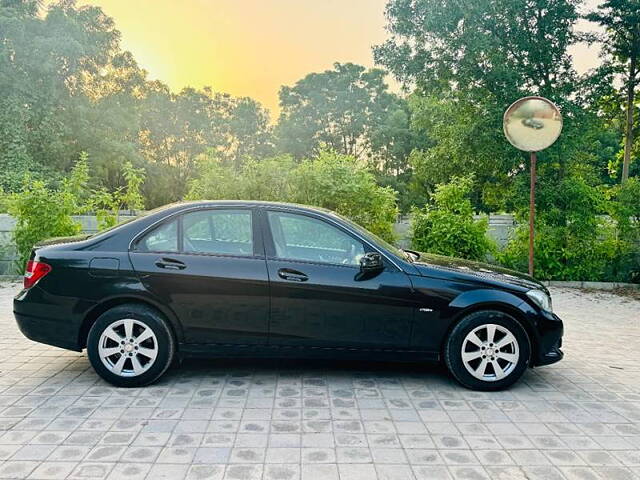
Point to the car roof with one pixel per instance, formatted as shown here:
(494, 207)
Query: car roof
(234, 203)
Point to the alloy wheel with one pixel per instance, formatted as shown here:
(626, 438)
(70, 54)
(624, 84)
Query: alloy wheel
(490, 352)
(128, 347)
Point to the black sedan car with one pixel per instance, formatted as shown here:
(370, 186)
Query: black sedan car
(239, 278)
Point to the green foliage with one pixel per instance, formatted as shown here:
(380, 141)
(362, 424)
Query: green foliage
(331, 180)
(107, 205)
(42, 212)
(620, 65)
(488, 47)
(466, 139)
(337, 182)
(624, 208)
(267, 180)
(45, 61)
(177, 128)
(447, 226)
(347, 110)
(573, 240)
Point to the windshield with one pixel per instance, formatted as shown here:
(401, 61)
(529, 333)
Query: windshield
(376, 240)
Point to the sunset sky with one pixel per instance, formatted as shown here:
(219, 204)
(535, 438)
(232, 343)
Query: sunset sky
(252, 47)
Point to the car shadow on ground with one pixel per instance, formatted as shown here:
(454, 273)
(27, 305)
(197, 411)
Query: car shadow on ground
(194, 367)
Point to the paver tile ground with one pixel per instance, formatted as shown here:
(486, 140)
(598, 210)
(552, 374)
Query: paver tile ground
(289, 420)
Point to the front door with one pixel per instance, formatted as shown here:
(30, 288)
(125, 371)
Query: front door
(208, 265)
(319, 297)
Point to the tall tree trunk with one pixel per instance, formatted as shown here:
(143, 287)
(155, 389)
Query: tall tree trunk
(628, 144)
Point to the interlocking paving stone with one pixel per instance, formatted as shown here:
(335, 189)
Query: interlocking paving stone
(304, 420)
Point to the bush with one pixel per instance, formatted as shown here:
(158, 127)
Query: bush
(624, 208)
(338, 183)
(330, 181)
(573, 240)
(107, 205)
(268, 180)
(42, 212)
(447, 227)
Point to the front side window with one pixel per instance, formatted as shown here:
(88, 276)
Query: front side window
(223, 232)
(161, 239)
(298, 237)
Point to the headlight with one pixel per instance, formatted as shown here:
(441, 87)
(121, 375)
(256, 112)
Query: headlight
(541, 299)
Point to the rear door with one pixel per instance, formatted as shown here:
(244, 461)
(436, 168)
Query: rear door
(208, 265)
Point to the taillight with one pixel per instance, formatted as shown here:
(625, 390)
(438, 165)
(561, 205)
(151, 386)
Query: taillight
(35, 271)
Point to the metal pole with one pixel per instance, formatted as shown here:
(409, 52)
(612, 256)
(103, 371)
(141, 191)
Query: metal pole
(532, 209)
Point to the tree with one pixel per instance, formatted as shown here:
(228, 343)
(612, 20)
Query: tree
(573, 241)
(338, 109)
(621, 55)
(269, 179)
(467, 139)
(495, 47)
(44, 64)
(177, 128)
(468, 61)
(250, 134)
(174, 130)
(66, 87)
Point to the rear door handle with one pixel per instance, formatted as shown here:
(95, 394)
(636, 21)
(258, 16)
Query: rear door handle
(170, 264)
(292, 275)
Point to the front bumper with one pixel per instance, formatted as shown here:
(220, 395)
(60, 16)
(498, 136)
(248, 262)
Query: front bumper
(552, 356)
(549, 350)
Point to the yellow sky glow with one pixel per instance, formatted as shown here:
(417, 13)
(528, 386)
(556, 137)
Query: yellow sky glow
(252, 47)
(245, 47)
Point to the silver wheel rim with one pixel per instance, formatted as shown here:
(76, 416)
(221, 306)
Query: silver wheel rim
(490, 352)
(128, 347)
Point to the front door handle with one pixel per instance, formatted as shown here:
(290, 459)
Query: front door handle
(170, 264)
(292, 275)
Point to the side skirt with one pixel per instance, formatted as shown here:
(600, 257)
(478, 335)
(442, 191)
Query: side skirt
(285, 351)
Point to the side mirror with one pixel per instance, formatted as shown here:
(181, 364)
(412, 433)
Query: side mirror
(371, 262)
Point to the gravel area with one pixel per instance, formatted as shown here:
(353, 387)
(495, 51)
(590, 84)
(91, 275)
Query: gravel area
(243, 419)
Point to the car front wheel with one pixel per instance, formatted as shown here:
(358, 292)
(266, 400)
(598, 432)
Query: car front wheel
(130, 345)
(487, 350)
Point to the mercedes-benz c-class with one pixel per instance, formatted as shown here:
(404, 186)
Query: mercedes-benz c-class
(259, 279)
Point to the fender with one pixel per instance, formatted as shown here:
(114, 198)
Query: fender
(488, 298)
(125, 297)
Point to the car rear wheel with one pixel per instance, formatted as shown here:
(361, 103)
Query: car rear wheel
(130, 345)
(487, 350)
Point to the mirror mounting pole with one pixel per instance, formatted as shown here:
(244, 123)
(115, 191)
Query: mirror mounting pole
(532, 210)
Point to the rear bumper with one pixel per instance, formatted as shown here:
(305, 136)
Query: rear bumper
(51, 332)
(49, 319)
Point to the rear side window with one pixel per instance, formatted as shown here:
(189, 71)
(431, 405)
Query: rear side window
(161, 239)
(222, 232)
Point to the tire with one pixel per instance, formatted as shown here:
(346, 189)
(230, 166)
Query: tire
(126, 363)
(497, 369)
